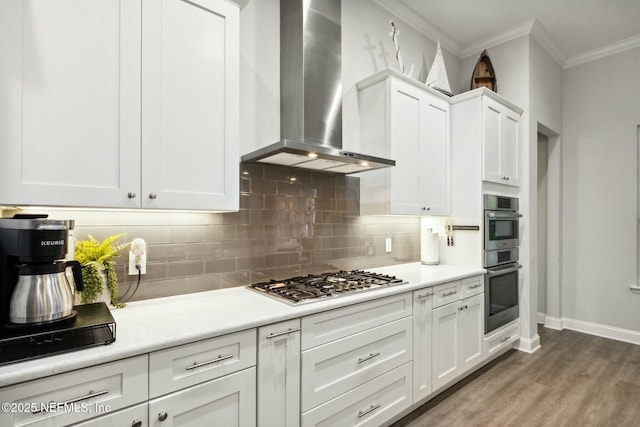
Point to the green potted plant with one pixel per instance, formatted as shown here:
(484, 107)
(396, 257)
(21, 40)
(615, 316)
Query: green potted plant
(99, 277)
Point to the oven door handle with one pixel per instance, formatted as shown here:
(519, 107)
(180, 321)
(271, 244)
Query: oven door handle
(504, 270)
(504, 215)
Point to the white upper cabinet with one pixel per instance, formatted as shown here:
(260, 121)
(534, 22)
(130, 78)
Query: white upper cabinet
(70, 102)
(500, 143)
(122, 104)
(190, 110)
(408, 122)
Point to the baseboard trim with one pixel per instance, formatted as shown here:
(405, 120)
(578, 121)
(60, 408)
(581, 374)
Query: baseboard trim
(553, 323)
(529, 345)
(541, 318)
(619, 334)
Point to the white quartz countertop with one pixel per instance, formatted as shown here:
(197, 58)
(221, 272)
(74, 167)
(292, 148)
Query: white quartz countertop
(146, 326)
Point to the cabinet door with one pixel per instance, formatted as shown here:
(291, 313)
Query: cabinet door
(228, 401)
(445, 344)
(190, 112)
(70, 102)
(434, 172)
(136, 416)
(279, 374)
(510, 147)
(491, 142)
(407, 136)
(471, 331)
(422, 322)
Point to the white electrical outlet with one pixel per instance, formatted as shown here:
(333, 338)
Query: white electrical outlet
(138, 255)
(387, 245)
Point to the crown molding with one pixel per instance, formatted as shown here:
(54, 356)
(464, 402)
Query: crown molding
(498, 39)
(410, 17)
(540, 34)
(602, 52)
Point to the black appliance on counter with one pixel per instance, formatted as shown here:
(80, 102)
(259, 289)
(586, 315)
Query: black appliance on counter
(306, 289)
(37, 316)
(501, 241)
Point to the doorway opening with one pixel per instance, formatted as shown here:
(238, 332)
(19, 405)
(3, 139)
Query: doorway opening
(549, 228)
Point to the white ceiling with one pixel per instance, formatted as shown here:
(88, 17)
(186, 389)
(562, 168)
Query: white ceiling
(577, 28)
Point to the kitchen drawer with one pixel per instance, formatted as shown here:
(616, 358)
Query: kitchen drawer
(186, 365)
(472, 286)
(136, 416)
(446, 293)
(337, 367)
(331, 325)
(371, 404)
(502, 338)
(229, 401)
(78, 395)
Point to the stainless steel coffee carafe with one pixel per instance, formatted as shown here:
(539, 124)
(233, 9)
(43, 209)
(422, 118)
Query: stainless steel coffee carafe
(43, 293)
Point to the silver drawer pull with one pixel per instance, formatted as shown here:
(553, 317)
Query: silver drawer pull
(76, 400)
(505, 339)
(369, 357)
(279, 334)
(425, 296)
(448, 294)
(209, 362)
(475, 286)
(368, 411)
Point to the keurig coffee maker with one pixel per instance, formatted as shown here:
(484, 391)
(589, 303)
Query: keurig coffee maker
(37, 315)
(34, 284)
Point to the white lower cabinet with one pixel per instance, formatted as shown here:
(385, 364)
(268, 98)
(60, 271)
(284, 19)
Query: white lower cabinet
(458, 331)
(502, 338)
(422, 347)
(279, 374)
(77, 396)
(371, 404)
(228, 401)
(136, 416)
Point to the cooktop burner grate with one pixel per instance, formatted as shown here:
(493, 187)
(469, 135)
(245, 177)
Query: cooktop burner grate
(305, 289)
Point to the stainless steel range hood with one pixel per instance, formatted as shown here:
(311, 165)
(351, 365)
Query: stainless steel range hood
(311, 93)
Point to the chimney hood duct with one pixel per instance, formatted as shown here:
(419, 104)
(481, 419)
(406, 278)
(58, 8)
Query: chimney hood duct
(311, 93)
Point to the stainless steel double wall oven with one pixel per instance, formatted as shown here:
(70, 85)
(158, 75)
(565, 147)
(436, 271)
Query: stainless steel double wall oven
(501, 241)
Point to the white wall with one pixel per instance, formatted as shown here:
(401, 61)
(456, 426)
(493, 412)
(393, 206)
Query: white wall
(601, 113)
(543, 152)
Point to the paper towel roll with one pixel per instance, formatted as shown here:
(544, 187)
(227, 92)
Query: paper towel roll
(429, 246)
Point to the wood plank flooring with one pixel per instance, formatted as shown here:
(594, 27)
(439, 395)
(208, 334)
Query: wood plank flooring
(573, 380)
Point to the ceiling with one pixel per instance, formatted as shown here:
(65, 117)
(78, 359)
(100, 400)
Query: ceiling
(572, 28)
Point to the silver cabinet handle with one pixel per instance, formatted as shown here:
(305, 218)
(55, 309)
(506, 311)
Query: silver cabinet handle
(505, 339)
(136, 423)
(475, 286)
(162, 416)
(76, 400)
(499, 271)
(369, 357)
(153, 196)
(209, 362)
(368, 411)
(279, 334)
(425, 296)
(131, 195)
(448, 294)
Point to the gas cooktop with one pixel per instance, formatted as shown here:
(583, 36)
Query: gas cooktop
(306, 289)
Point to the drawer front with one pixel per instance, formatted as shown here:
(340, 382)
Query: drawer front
(503, 338)
(136, 416)
(342, 365)
(79, 395)
(229, 401)
(184, 366)
(446, 293)
(331, 325)
(472, 286)
(371, 404)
